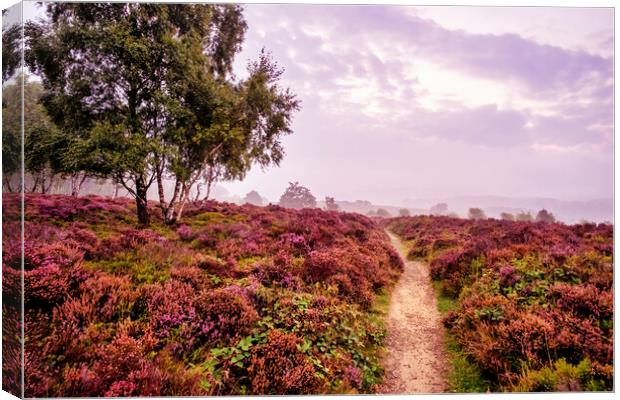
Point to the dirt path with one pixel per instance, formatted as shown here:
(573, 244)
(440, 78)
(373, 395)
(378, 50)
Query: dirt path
(416, 362)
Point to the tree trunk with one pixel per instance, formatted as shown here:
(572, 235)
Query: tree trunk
(144, 218)
(36, 182)
(167, 208)
(115, 190)
(48, 189)
(198, 187)
(80, 184)
(76, 183)
(210, 178)
(182, 202)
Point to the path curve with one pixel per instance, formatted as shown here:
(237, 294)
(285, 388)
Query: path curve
(416, 362)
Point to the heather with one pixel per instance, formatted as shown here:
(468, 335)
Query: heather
(233, 300)
(528, 304)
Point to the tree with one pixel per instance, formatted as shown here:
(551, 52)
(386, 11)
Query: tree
(524, 216)
(11, 50)
(297, 196)
(148, 88)
(382, 212)
(476, 213)
(545, 216)
(253, 198)
(439, 209)
(41, 136)
(244, 130)
(507, 216)
(331, 205)
(403, 212)
(11, 134)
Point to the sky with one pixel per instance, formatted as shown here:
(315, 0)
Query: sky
(402, 102)
(405, 102)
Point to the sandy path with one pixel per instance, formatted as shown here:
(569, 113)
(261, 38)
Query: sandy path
(416, 362)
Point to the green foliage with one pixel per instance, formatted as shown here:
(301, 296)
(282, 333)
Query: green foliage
(44, 144)
(11, 50)
(11, 130)
(445, 304)
(561, 376)
(154, 96)
(463, 375)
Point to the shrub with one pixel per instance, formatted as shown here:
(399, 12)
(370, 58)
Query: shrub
(231, 315)
(320, 265)
(278, 367)
(185, 232)
(534, 298)
(187, 310)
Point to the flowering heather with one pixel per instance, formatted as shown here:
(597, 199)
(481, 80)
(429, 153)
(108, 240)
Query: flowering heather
(236, 300)
(533, 301)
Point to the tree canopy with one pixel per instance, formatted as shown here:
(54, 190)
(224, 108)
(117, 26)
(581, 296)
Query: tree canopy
(330, 204)
(506, 216)
(11, 50)
(524, 216)
(297, 196)
(41, 138)
(148, 93)
(439, 209)
(476, 213)
(545, 216)
(254, 198)
(382, 212)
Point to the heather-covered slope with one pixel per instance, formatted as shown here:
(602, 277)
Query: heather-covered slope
(532, 303)
(237, 299)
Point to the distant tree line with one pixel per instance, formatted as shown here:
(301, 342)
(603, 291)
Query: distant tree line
(542, 215)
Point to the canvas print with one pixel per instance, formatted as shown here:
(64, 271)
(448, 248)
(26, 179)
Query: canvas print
(279, 199)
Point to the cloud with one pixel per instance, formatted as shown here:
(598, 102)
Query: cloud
(501, 57)
(362, 63)
(486, 125)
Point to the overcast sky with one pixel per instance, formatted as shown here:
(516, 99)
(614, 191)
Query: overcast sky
(408, 102)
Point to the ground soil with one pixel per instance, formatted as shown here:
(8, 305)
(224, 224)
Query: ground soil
(416, 361)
